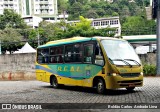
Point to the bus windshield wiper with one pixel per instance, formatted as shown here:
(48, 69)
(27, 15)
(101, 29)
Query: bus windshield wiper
(111, 60)
(134, 61)
(122, 61)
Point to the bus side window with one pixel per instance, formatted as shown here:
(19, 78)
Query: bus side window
(43, 55)
(88, 53)
(77, 53)
(98, 56)
(39, 56)
(68, 53)
(56, 54)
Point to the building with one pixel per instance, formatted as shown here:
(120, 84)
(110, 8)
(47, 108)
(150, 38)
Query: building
(99, 23)
(46, 9)
(32, 21)
(111, 22)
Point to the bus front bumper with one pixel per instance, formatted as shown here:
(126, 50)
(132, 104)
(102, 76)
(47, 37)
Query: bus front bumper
(114, 82)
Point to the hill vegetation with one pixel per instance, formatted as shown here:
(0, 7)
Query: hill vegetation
(14, 32)
(132, 14)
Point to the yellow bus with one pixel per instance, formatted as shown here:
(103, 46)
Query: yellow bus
(98, 62)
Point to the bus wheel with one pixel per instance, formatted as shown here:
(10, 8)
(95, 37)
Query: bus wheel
(100, 86)
(54, 82)
(130, 88)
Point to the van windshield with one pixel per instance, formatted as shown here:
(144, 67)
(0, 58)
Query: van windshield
(120, 52)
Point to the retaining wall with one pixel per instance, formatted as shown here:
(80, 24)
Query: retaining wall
(17, 66)
(149, 58)
(22, 66)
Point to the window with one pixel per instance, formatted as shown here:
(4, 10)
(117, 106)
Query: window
(73, 53)
(103, 23)
(51, 18)
(113, 22)
(43, 55)
(88, 53)
(77, 53)
(68, 52)
(56, 54)
(96, 23)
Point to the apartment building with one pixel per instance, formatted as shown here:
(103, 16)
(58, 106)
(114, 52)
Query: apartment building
(46, 9)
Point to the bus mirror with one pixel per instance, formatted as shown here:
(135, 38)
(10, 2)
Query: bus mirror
(99, 60)
(98, 57)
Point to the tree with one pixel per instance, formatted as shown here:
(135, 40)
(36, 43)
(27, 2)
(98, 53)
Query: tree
(91, 14)
(62, 6)
(52, 31)
(84, 24)
(136, 25)
(84, 28)
(10, 34)
(77, 7)
(71, 2)
(9, 38)
(11, 19)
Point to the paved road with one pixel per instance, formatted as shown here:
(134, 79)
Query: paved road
(41, 92)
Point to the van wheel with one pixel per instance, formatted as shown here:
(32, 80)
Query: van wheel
(54, 82)
(100, 86)
(130, 88)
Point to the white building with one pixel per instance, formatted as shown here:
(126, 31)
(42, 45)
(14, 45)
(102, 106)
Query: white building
(46, 9)
(32, 21)
(110, 22)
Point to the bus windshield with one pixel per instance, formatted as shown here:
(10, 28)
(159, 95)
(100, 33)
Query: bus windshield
(120, 52)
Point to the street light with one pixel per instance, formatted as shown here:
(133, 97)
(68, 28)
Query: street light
(156, 14)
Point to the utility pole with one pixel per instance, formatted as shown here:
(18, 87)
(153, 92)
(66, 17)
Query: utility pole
(37, 32)
(38, 37)
(158, 38)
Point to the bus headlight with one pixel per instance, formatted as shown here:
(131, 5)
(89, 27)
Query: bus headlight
(141, 73)
(114, 74)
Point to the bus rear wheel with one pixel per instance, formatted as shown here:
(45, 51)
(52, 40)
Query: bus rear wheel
(130, 88)
(54, 82)
(100, 86)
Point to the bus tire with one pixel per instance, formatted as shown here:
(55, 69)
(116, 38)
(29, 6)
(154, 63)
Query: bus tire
(100, 86)
(54, 82)
(130, 88)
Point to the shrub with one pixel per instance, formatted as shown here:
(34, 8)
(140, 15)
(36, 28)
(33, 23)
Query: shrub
(149, 70)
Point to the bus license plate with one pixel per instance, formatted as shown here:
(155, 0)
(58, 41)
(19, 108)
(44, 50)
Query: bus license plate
(131, 85)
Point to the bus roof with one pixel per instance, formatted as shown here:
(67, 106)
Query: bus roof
(72, 40)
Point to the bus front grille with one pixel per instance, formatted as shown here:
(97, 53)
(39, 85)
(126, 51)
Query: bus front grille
(130, 75)
(127, 83)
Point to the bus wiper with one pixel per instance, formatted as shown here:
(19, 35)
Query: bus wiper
(111, 60)
(134, 61)
(122, 61)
